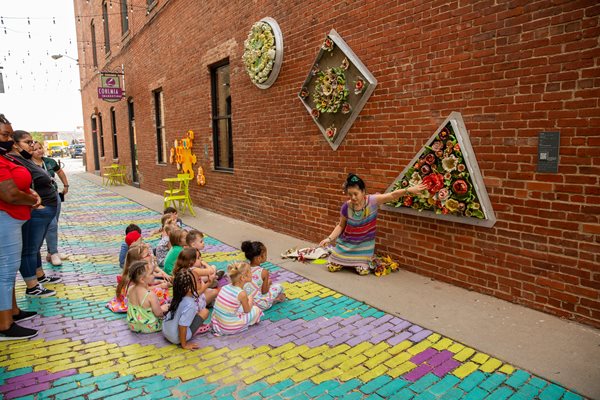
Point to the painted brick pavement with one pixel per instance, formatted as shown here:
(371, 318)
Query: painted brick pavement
(318, 344)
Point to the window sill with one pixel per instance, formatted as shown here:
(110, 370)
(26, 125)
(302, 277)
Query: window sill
(151, 7)
(107, 55)
(223, 170)
(126, 37)
(161, 164)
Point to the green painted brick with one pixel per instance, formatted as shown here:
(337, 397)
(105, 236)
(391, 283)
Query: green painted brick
(518, 378)
(301, 396)
(295, 390)
(491, 383)
(375, 384)
(322, 388)
(277, 388)
(423, 383)
(69, 379)
(552, 392)
(476, 394)
(472, 380)
(161, 394)
(114, 382)
(453, 394)
(444, 385)
(324, 396)
(16, 372)
(346, 387)
(253, 388)
(404, 394)
(392, 387)
(30, 397)
(130, 394)
(500, 394)
(75, 392)
(108, 392)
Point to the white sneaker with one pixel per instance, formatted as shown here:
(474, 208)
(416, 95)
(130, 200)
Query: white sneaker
(55, 259)
(64, 256)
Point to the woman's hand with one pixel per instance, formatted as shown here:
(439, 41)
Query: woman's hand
(416, 189)
(38, 199)
(65, 190)
(325, 242)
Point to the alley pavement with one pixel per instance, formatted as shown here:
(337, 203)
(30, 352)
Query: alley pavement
(319, 343)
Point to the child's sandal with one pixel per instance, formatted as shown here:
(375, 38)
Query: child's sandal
(203, 329)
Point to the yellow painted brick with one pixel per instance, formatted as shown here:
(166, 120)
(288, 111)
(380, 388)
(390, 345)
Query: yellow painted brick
(282, 349)
(491, 365)
(378, 360)
(464, 354)
(507, 369)
(401, 369)
(262, 349)
(92, 368)
(184, 362)
(434, 337)
(419, 347)
(256, 361)
(237, 377)
(177, 373)
(259, 375)
(337, 295)
(306, 364)
(267, 363)
(353, 373)
(398, 359)
(456, 347)
(353, 362)
(91, 345)
(442, 344)
(306, 374)
(230, 363)
(150, 372)
(336, 350)
(147, 359)
(213, 361)
(373, 373)
(315, 351)
(373, 351)
(465, 370)
(215, 353)
(168, 361)
(291, 362)
(240, 351)
(294, 352)
(332, 362)
(59, 368)
(136, 370)
(359, 348)
(103, 371)
(101, 359)
(480, 358)
(326, 375)
(217, 376)
(281, 376)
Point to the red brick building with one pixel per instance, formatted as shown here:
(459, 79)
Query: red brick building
(512, 68)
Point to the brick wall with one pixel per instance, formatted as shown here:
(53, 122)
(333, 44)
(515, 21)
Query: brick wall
(512, 69)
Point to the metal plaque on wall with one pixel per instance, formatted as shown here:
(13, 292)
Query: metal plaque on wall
(548, 145)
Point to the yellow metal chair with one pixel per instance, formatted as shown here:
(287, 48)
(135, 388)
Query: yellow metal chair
(120, 175)
(183, 200)
(107, 177)
(172, 191)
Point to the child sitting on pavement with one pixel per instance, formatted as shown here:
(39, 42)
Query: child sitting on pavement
(163, 246)
(189, 259)
(125, 246)
(187, 311)
(177, 240)
(195, 239)
(264, 292)
(234, 310)
(144, 312)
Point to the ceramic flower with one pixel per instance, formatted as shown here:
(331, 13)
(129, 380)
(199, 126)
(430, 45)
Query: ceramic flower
(327, 44)
(460, 187)
(345, 64)
(259, 52)
(315, 113)
(304, 93)
(450, 163)
(330, 90)
(346, 108)
(330, 132)
(359, 85)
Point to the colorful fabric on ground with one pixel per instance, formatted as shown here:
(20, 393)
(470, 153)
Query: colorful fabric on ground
(228, 317)
(143, 320)
(356, 245)
(254, 289)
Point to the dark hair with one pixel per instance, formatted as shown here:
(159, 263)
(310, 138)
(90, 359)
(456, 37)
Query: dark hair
(170, 210)
(18, 135)
(184, 282)
(252, 249)
(353, 180)
(186, 258)
(3, 120)
(133, 227)
(193, 235)
(137, 270)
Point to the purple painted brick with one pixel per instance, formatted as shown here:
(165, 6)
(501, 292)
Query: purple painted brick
(417, 337)
(57, 375)
(424, 356)
(329, 329)
(26, 378)
(28, 390)
(417, 373)
(307, 339)
(382, 328)
(350, 320)
(415, 329)
(359, 339)
(446, 367)
(440, 358)
(381, 337)
(402, 336)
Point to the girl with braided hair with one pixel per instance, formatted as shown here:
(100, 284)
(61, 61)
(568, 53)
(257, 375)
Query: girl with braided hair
(187, 311)
(234, 310)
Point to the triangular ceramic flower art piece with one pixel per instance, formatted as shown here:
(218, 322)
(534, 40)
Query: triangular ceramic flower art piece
(447, 165)
(336, 89)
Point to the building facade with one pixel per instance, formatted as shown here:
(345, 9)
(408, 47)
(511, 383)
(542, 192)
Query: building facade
(513, 69)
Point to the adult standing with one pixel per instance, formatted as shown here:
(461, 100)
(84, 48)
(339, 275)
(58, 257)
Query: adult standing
(355, 233)
(16, 202)
(53, 169)
(34, 230)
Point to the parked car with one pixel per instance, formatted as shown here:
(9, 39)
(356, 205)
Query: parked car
(77, 150)
(58, 151)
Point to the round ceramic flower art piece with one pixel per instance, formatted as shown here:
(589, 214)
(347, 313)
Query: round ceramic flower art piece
(263, 52)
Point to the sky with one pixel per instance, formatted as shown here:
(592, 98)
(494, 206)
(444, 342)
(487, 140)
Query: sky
(40, 94)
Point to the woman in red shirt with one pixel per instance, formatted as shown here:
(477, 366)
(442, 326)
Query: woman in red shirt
(16, 202)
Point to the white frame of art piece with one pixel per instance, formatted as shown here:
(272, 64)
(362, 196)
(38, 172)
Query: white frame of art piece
(278, 54)
(462, 136)
(369, 80)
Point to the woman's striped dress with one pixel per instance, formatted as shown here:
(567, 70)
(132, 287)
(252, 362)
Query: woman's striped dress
(228, 316)
(356, 245)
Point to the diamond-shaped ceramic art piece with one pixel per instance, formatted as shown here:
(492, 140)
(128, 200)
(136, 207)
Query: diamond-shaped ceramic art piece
(447, 165)
(336, 89)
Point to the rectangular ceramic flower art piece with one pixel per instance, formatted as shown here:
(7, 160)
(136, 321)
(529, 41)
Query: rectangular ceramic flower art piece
(448, 167)
(336, 89)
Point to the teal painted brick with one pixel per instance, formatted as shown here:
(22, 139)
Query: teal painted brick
(46, 394)
(352, 396)
(97, 379)
(229, 397)
(30, 397)
(491, 383)
(108, 392)
(161, 394)
(527, 392)
(16, 372)
(392, 387)
(277, 388)
(572, 396)
(346, 387)
(518, 378)
(500, 394)
(295, 390)
(227, 390)
(425, 396)
(444, 385)
(165, 384)
(453, 394)
(301, 396)
(552, 392)
(114, 382)
(379, 314)
(253, 398)
(404, 394)
(476, 394)
(538, 383)
(371, 397)
(276, 397)
(472, 380)
(184, 387)
(146, 381)
(254, 388)
(74, 393)
(375, 384)
(323, 387)
(423, 383)
(202, 389)
(324, 397)
(131, 394)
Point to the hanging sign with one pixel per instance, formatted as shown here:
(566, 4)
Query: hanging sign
(110, 88)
